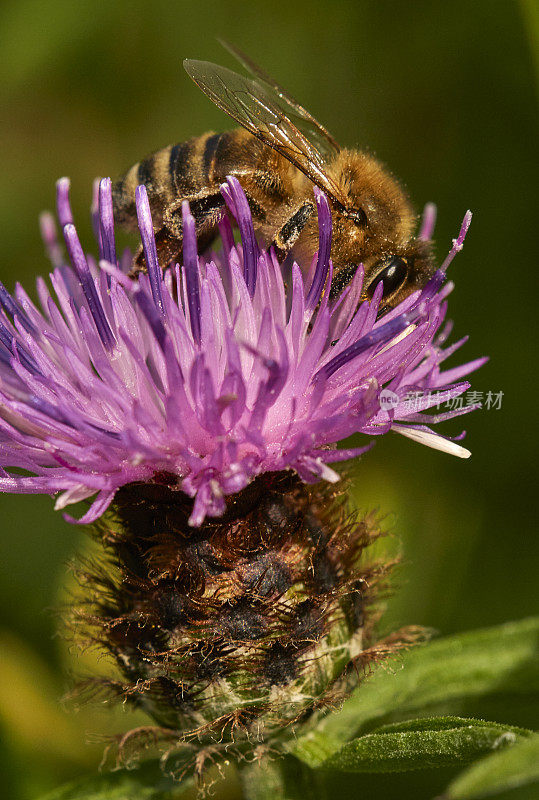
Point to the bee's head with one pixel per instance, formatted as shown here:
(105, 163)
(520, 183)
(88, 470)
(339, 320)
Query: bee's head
(375, 229)
(401, 273)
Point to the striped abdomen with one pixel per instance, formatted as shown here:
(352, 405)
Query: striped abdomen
(181, 171)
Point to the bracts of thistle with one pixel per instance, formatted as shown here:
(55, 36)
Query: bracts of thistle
(234, 635)
(198, 410)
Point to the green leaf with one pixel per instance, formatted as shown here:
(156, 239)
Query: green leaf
(444, 723)
(436, 677)
(280, 778)
(423, 744)
(508, 769)
(262, 781)
(146, 783)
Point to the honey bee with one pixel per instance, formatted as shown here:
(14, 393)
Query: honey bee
(277, 155)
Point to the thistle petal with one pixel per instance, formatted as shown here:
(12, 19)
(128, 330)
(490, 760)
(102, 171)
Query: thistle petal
(214, 372)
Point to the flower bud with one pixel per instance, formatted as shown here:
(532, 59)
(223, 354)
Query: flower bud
(237, 631)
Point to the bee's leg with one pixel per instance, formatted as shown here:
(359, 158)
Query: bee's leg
(168, 247)
(287, 235)
(206, 210)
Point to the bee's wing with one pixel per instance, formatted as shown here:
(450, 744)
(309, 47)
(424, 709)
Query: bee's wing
(303, 119)
(259, 110)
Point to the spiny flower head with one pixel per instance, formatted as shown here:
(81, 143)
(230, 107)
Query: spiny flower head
(210, 373)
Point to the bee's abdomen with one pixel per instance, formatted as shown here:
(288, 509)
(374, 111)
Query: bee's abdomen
(174, 172)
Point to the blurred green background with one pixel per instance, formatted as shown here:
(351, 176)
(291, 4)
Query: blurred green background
(446, 95)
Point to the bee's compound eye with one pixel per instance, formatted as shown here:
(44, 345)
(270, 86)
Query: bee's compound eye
(392, 276)
(359, 217)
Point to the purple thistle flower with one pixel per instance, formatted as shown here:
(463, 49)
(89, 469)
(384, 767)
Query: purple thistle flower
(210, 373)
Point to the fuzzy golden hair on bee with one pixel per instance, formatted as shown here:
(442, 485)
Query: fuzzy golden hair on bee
(369, 186)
